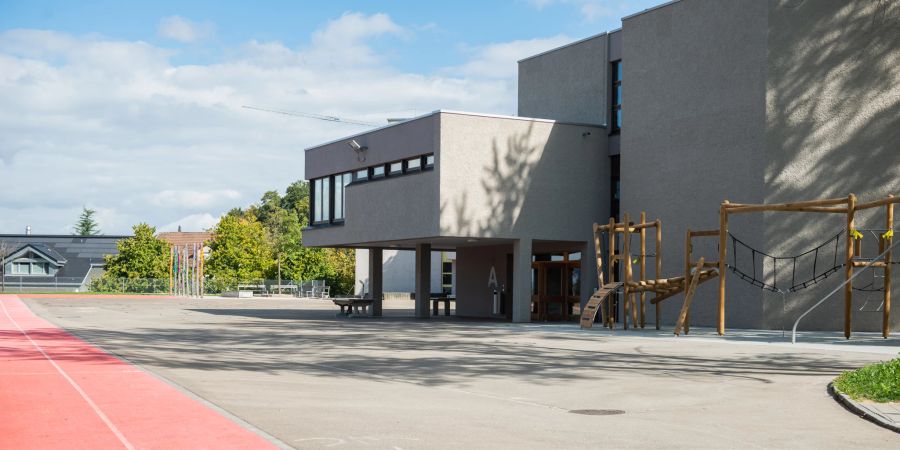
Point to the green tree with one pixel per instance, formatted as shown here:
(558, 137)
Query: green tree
(296, 199)
(269, 205)
(239, 250)
(86, 225)
(340, 269)
(140, 256)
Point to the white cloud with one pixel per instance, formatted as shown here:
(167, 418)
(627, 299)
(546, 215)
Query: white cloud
(591, 10)
(183, 30)
(194, 199)
(193, 222)
(500, 60)
(118, 126)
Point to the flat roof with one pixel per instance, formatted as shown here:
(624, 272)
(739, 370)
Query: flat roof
(653, 8)
(661, 5)
(462, 113)
(564, 46)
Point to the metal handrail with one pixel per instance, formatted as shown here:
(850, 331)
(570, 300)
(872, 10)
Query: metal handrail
(838, 288)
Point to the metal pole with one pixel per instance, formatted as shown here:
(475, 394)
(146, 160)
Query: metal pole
(838, 289)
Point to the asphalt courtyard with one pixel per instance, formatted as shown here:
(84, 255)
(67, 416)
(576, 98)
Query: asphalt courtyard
(293, 373)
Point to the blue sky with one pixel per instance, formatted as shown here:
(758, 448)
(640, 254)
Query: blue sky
(134, 108)
(443, 30)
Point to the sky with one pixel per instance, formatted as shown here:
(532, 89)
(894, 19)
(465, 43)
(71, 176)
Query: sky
(134, 109)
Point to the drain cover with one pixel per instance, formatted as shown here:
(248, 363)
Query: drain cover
(597, 412)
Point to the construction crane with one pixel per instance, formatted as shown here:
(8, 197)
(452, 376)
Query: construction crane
(315, 116)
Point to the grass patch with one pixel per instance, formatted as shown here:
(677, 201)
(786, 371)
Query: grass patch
(878, 382)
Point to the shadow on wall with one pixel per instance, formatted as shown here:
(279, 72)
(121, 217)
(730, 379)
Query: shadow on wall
(833, 127)
(505, 183)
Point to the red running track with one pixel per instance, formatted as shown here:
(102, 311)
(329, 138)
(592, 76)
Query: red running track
(59, 392)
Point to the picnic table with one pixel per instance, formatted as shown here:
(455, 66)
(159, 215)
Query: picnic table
(353, 305)
(445, 299)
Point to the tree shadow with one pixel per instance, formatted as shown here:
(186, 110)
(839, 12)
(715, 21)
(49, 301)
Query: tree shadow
(833, 127)
(433, 353)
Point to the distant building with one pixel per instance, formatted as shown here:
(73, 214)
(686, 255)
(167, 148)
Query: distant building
(54, 262)
(188, 238)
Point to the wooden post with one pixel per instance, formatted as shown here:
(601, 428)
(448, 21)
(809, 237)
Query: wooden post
(723, 242)
(658, 263)
(171, 266)
(626, 260)
(202, 279)
(599, 257)
(611, 268)
(886, 318)
(690, 288)
(685, 316)
(643, 267)
(848, 288)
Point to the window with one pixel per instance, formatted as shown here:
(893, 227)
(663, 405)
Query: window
(396, 168)
(340, 185)
(429, 161)
(362, 175)
(414, 164)
(616, 97)
(326, 199)
(21, 268)
(377, 171)
(615, 186)
(39, 268)
(321, 200)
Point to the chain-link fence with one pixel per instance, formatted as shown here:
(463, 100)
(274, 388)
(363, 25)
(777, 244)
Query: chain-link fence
(23, 284)
(211, 286)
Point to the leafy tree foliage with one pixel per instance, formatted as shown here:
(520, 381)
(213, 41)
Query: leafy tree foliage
(86, 225)
(240, 249)
(296, 199)
(140, 256)
(271, 232)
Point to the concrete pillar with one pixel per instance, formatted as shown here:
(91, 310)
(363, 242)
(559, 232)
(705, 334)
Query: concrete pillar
(376, 275)
(423, 280)
(521, 304)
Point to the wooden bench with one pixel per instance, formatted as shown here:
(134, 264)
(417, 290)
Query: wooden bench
(351, 305)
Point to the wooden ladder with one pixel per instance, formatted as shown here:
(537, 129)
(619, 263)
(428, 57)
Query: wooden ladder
(595, 303)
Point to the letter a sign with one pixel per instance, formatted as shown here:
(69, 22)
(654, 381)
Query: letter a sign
(492, 280)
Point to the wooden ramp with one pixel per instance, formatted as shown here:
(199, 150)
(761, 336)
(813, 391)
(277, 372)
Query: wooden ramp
(595, 303)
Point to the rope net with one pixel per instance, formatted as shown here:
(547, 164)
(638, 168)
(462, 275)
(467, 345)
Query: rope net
(806, 269)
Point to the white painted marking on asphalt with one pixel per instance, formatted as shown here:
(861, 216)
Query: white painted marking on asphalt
(75, 385)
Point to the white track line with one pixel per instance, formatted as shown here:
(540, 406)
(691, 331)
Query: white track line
(75, 385)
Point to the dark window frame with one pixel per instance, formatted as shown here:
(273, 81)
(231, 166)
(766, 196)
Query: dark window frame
(615, 125)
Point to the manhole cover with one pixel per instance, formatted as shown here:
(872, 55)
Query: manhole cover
(597, 412)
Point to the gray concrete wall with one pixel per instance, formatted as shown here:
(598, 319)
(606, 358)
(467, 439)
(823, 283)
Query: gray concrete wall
(568, 83)
(384, 210)
(693, 129)
(511, 178)
(387, 144)
(761, 102)
(832, 127)
(474, 298)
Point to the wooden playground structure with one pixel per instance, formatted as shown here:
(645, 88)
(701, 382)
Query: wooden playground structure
(701, 270)
(635, 290)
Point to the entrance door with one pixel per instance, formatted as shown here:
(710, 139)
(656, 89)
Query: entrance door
(554, 289)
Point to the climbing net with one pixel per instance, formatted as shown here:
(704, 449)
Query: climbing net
(806, 269)
(822, 259)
